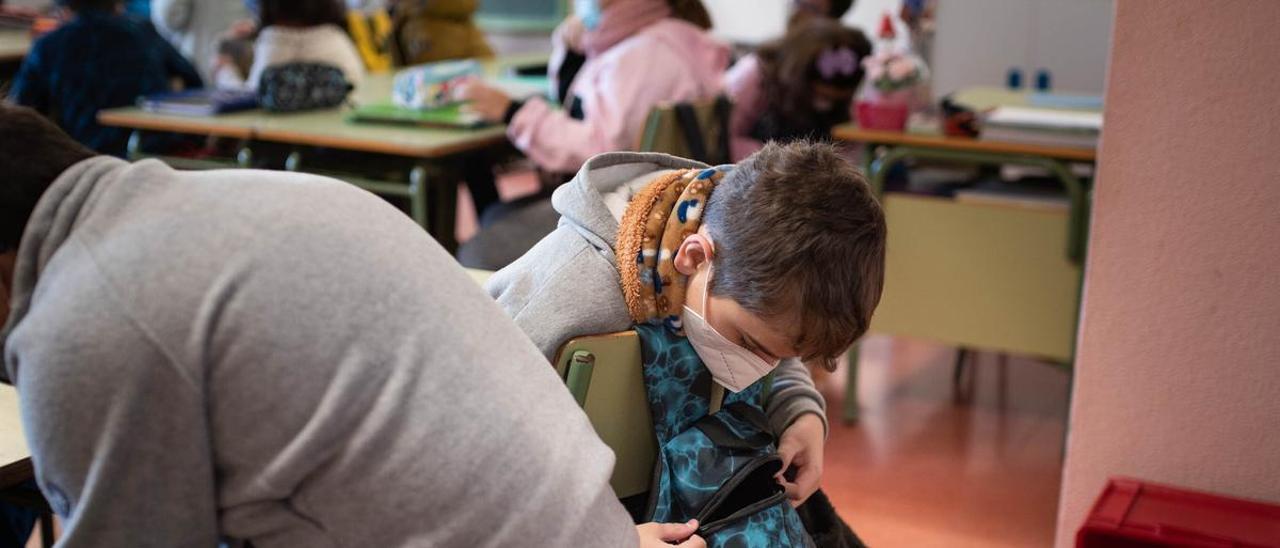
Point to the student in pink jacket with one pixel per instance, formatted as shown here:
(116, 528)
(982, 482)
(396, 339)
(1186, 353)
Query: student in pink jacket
(638, 54)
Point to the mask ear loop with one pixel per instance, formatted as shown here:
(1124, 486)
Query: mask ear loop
(706, 284)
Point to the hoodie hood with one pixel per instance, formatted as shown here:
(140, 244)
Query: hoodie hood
(581, 205)
(51, 223)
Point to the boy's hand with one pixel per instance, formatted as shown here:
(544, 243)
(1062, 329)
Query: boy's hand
(488, 102)
(801, 448)
(655, 535)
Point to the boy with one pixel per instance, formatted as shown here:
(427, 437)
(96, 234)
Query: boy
(796, 242)
(99, 59)
(274, 358)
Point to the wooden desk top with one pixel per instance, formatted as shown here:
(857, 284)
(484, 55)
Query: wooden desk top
(14, 44)
(934, 140)
(15, 458)
(977, 98)
(329, 128)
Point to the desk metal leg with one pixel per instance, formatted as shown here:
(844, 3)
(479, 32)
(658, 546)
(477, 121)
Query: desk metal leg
(418, 195)
(133, 150)
(852, 406)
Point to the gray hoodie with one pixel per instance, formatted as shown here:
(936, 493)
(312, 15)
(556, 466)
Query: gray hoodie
(568, 284)
(286, 359)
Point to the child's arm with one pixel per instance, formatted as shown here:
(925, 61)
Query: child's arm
(617, 100)
(793, 395)
(30, 88)
(175, 64)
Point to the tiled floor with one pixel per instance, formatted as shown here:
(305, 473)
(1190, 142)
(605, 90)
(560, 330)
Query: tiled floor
(921, 469)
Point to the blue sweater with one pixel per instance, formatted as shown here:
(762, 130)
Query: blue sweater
(96, 61)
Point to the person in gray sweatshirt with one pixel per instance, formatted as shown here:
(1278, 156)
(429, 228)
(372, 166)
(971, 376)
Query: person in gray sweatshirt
(803, 228)
(277, 360)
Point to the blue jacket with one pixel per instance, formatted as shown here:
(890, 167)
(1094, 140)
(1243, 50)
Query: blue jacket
(98, 60)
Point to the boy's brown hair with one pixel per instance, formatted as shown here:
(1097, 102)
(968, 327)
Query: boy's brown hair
(799, 237)
(33, 153)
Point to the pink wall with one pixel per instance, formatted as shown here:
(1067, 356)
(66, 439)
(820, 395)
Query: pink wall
(1178, 370)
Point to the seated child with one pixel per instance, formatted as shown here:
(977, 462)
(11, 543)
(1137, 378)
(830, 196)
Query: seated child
(297, 31)
(99, 59)
(437, 30)
(639, 53)
(788, 262)
(798, 87)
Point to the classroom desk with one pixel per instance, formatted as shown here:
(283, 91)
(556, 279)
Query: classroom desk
(15, 458)
(14, 45)
(1002, 277)
(433, 152)
(15, 464)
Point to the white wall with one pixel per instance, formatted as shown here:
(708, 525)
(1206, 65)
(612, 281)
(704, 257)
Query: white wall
(977, 40)
(1177, 379)
(755, 21)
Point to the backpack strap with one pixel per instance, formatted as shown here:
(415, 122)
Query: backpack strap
(723, 111)
(687, 118)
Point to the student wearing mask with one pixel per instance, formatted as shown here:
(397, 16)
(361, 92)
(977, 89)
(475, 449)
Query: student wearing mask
(639, 54)
(784, 261)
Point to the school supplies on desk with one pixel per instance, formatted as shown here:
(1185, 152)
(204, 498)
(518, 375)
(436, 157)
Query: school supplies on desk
(431, 85)
(1038, 126)
(447, 117)
(1065, 101)
(199, 102)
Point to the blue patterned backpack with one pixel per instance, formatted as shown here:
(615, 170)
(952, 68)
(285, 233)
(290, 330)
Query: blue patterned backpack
(717, 467)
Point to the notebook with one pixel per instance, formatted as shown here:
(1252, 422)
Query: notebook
(1045, 119)
(200, 102)
(448, 116)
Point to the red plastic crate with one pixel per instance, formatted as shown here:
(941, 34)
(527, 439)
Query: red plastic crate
(1132, 513)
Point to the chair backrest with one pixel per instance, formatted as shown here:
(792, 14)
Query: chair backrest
(605, 374)
(697, 130)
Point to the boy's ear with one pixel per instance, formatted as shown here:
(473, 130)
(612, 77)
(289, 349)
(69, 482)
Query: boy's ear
(693, 251)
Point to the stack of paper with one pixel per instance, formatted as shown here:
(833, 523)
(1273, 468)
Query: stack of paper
(1043, 127)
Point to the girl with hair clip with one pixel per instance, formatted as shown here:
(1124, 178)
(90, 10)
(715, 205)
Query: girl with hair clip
(638, 54)
(798, 87)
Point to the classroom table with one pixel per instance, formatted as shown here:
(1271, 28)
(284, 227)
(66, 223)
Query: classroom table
(14, 45)
(434, 153)
(1003, 277)
(15, 464)
(15, 458)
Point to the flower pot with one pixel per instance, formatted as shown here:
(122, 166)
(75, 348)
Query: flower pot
(886, 116)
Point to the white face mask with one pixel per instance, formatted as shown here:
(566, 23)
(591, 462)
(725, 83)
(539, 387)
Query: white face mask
(733, 366)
